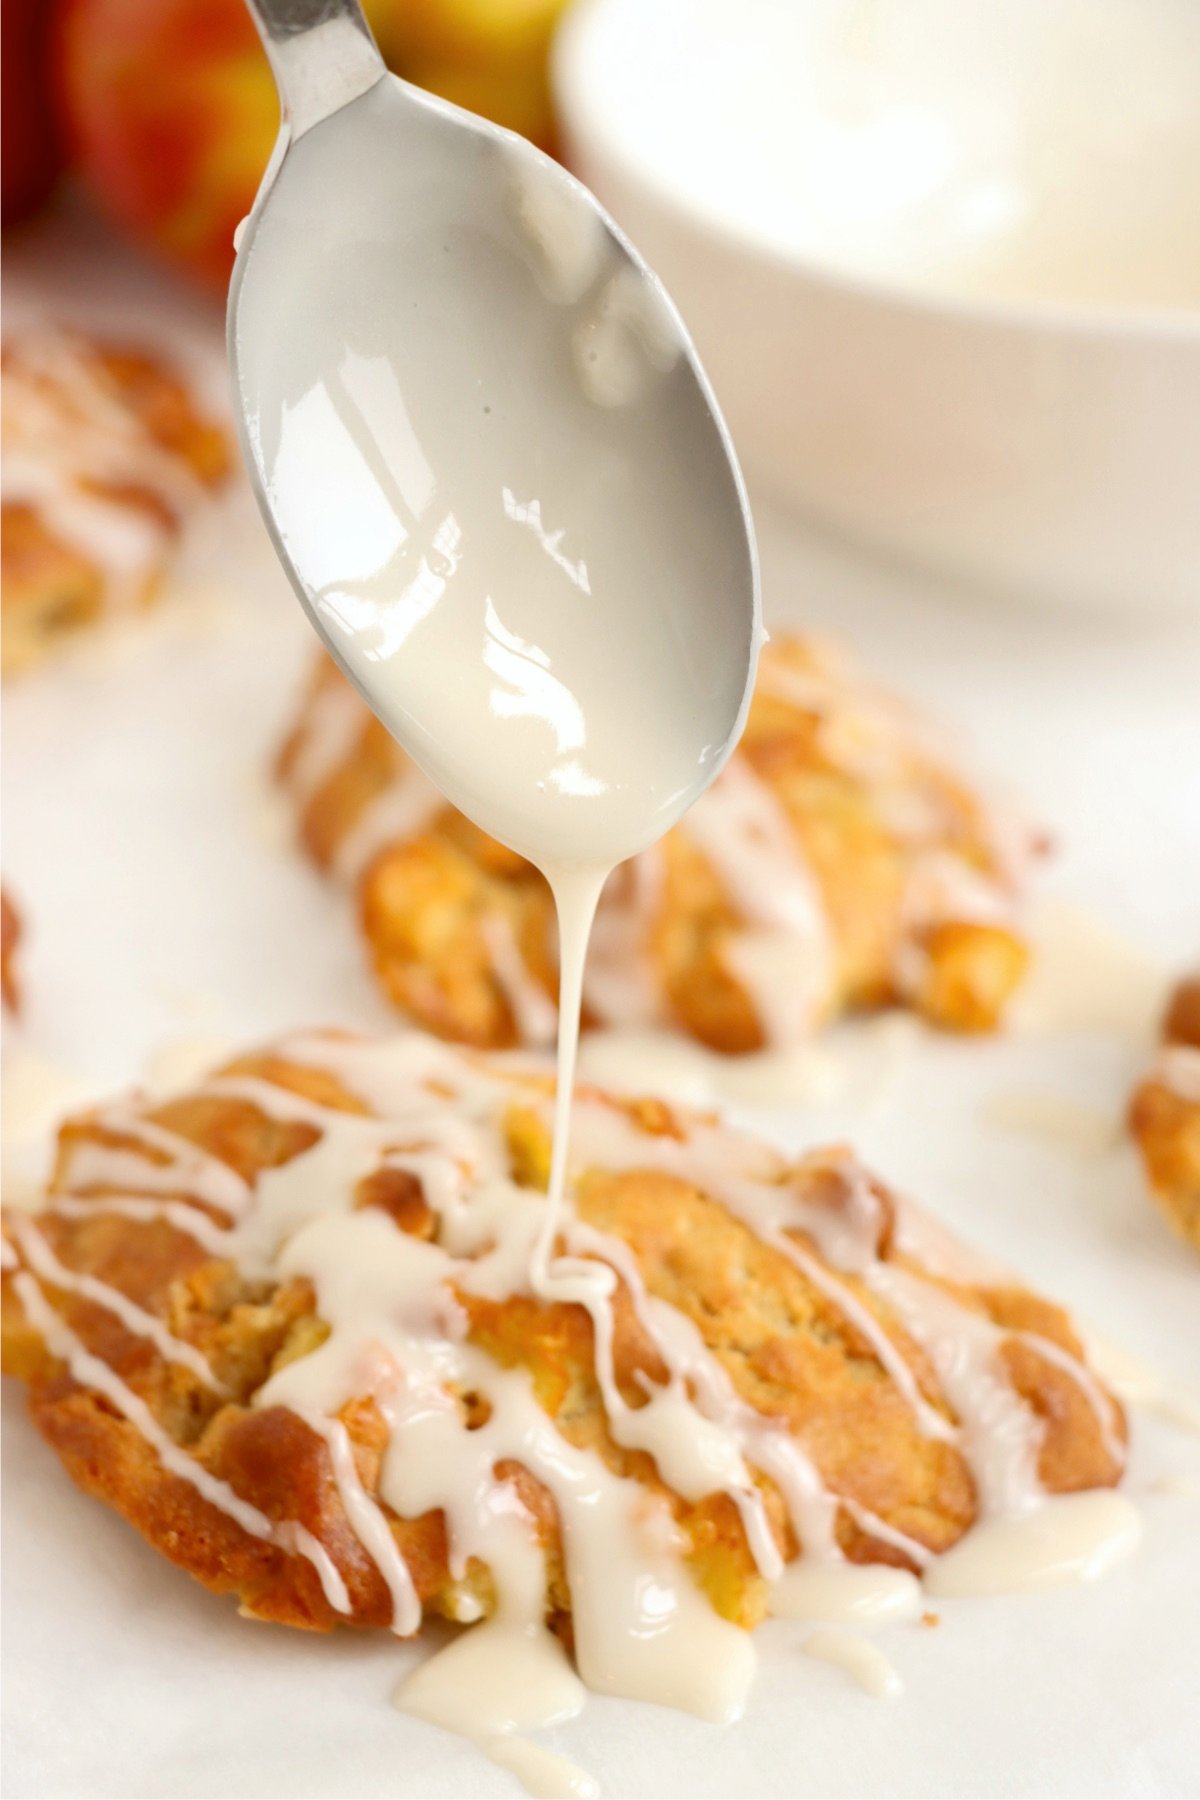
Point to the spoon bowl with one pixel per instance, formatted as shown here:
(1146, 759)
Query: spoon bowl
(489, 459)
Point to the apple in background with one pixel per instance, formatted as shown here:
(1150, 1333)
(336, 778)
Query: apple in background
(490, 56)
(171, 112)
(470, 31)
(30, 153)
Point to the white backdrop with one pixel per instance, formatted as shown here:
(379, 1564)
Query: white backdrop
(140, 838)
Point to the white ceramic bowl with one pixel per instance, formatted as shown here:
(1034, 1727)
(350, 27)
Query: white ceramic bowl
(941, 259)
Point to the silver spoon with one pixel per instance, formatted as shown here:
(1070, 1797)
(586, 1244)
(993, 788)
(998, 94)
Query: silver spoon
(488, 457)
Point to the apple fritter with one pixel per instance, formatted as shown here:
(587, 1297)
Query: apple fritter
(106, 458)
(838, 863)
(1164, 1114)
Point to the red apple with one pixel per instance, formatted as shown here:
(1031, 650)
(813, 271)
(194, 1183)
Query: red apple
(171, 109)
(171, 112)
(30, 152)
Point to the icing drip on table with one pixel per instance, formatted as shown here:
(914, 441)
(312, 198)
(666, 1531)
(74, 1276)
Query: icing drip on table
(858, 1593)
(1087, 978)
(863, 1661)
(1078, 1538)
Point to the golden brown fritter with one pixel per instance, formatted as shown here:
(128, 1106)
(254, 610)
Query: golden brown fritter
(105, 457)
(912, 880)
(10, 936)
(787, 1344)
(1181, 1022)
(1164, 1114)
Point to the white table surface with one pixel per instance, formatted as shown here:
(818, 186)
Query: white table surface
(163, 904)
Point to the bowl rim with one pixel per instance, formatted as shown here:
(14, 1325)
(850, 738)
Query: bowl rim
(585, 123)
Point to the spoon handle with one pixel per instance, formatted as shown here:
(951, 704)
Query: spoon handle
(322, 55)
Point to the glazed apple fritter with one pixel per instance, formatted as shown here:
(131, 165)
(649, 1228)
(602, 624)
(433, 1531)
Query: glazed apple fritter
(150, 1393)
(839, 863)
(1164, 1114)
(106, 456)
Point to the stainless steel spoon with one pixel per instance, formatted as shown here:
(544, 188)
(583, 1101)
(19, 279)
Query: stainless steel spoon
(487, 454)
